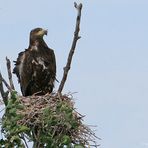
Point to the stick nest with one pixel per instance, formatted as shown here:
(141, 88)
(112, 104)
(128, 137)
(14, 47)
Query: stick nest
(50, 120)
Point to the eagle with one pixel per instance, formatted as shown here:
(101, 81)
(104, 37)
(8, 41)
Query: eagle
(35, 67)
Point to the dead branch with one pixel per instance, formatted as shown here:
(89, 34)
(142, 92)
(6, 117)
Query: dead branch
(6, 84)
(3, 81)
(3, 93)
(23, 137)
(1, 86)
(9, 73)
(76, 37)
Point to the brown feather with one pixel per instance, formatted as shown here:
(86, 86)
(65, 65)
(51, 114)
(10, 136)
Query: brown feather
(36, 68)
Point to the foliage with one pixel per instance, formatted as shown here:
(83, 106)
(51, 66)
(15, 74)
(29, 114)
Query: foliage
(48, 121)
(11, 130)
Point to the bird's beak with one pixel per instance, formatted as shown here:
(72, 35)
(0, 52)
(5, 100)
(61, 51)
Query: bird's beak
(42, 32)
(45, 32)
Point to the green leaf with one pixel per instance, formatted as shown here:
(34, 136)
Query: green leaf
(2, 141)
(9, 105)
(15, 138)
(14, 94)
(79, 146)
(23, 129)
(74, 124)
(66, 140)
(19, 106)
(12, 111)
(46, 111)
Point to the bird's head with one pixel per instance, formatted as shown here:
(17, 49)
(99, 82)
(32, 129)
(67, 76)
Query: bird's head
(37, 33)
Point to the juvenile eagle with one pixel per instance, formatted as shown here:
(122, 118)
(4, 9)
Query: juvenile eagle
(36, 66)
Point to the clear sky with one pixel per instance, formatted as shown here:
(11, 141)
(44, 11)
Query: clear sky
(110, 65)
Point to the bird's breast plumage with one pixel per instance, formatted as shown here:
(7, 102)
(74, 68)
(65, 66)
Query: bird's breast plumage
(37, 71)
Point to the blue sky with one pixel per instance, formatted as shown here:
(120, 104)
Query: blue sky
(110, 65)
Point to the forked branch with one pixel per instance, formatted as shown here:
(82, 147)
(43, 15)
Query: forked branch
(10, 87)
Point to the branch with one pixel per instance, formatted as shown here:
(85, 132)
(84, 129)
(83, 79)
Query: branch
(3, 93)
(22, 136)
(76, 37)
(9, 73)
(6, 84)
(3, 81)
(1, 86)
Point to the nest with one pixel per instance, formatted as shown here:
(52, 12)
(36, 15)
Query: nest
(51, 117)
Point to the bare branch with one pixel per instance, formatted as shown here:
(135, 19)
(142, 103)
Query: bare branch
(3, 93)
(9, 73)
(6, 84)
(76, 37)
(23, 137)
(1, 86)
(3, 81)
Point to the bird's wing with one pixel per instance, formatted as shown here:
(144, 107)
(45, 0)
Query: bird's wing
(24, 70)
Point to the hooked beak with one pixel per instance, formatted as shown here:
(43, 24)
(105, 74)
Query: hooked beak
(45, 32)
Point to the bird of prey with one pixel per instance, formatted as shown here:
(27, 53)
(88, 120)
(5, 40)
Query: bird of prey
(36, 66)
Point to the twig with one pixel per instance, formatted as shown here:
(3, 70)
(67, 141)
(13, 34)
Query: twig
(2, 110)
(22, 137)
(2, 80)
(76, 37)
(1, 86)
(6, 84)
(9, 73)
(3, 93)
